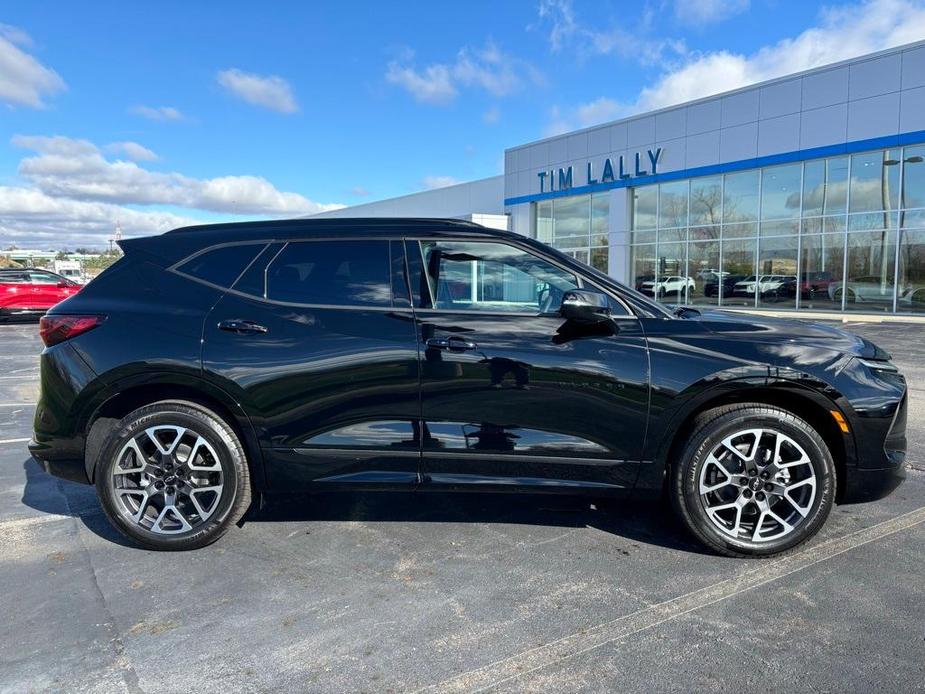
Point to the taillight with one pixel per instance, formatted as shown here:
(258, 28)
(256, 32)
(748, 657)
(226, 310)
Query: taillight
(54, 329)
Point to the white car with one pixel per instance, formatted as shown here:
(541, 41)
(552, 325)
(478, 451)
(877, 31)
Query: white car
(762, 284)
(673, 284)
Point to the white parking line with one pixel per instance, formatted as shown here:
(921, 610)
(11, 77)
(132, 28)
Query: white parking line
(13, 440)
(534, 659)
(17, 404)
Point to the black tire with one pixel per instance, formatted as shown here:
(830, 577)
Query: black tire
(226, 508)
(708, 432)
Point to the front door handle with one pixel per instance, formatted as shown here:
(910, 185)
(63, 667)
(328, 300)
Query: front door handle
(453, 344)
(241, 327)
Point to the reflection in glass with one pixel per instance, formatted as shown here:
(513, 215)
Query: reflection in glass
(740, 197)
(645, 207)
(544, 221)
(672, 281)
(642, 266)
(703, 266)
(572, 219)
(821, 263)
(672, 204)
(869, 284)
(707, 201)
(780, 192)
(914, 176)
(739, 260)
(911, 271)
(777, 270)
(875, 182)
(600, 218)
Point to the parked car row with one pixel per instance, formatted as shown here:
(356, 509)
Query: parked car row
(812, 285)
(31, 292)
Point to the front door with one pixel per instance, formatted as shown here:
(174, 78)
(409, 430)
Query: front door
(511, 393)
(319, 346)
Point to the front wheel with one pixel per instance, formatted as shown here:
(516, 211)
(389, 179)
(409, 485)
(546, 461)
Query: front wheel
(173, 476)
(753, 480)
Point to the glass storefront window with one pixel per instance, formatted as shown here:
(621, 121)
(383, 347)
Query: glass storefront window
(572, 218)
(874, 181)
(814, 188)
(740, 197)
(914, 176)
(869, 283)
(642, 268)
(672, 282)
(821, 264)
(707, 201)
(645, 208)
(738, 288)
(777, 272)
(600, 219)
(780, 192)
(836, 185)
(672, 204)
(911, 272)
(599, 258)
(544, 221)
(704, 269)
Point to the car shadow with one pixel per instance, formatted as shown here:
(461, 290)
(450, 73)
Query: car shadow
(650, 522)
(49, 494)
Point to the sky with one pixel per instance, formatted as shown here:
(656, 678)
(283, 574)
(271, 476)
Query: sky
(151, 116)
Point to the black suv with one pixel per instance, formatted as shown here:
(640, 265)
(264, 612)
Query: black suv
(216, 363)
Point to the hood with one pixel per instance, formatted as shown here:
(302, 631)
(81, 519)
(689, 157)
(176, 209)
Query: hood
(788, 331)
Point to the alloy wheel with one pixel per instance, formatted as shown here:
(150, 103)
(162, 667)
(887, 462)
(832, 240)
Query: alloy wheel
(167, 480)
(757, 485)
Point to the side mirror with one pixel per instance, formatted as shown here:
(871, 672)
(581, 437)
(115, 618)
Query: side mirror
(584, 306)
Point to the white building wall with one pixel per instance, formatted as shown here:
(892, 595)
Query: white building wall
(481, 197)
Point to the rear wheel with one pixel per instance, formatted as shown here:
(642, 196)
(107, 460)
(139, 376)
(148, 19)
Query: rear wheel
(173, 475)
(753, 480)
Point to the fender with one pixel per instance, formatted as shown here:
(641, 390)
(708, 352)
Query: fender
(722, 386)
(182, 380)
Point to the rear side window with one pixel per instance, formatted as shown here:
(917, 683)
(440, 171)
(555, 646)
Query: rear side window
(222, 265)
(336, 273)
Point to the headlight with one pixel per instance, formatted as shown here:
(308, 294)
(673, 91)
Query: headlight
(878, 365)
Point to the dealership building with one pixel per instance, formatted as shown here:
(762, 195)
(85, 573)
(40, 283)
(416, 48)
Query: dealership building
(803, 193)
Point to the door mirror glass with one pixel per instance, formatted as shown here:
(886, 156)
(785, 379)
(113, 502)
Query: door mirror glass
(583, 306)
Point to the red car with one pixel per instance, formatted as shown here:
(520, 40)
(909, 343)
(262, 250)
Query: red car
(30, 292)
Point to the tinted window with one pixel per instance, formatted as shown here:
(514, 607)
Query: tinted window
(14, 277)
(338, 273)
(493, 277)
(221, 266)
(254, 279)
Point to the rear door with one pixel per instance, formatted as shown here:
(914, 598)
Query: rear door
(511, 393)
(316, 339)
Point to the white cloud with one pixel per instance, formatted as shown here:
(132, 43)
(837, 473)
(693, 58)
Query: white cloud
(24, 81)
(636, 43)
(702, 12)
(488, 68)
(74, 193)
(132, 150)
(268, 91)
(31, 218)
(157, 112)
(77, 169)
(431, 182)
(433, 85)
(843, 32)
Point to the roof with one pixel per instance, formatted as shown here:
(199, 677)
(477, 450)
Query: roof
(179, 243)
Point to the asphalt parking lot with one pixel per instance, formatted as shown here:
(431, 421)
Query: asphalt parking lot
(451, 592)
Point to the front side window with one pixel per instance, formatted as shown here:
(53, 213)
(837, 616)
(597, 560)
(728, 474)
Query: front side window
(469, 276)
(43, 278)
(335, 273)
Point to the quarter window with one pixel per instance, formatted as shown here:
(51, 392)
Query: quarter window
(493, 277)
(336, 273)
(223, 265)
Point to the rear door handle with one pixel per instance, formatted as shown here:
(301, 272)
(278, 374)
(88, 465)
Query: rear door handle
(453, 344)
(241, 327)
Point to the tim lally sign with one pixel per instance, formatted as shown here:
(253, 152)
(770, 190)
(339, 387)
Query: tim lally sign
(563, 178)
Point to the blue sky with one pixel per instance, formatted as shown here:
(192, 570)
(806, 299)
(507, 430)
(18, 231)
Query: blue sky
(153, 114)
